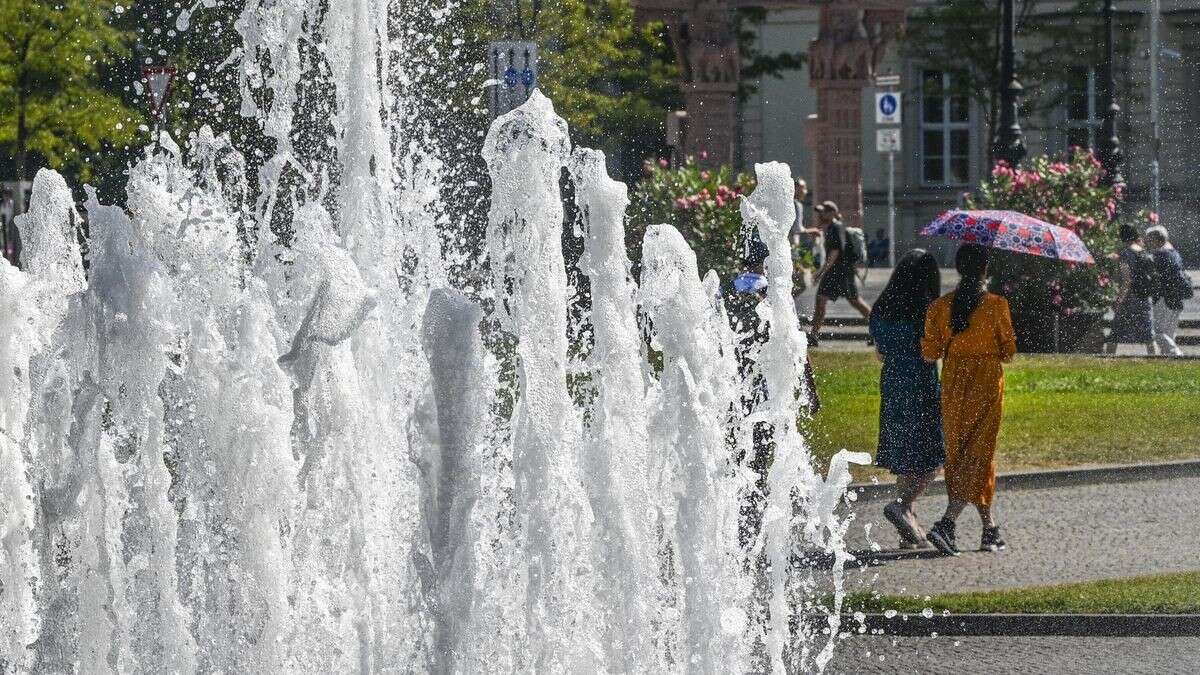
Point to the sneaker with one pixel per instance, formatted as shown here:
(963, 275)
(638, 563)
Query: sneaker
(991, 540)
(941, 535)
(894, 512)
(813, 340)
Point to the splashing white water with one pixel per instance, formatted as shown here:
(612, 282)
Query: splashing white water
(220, 452)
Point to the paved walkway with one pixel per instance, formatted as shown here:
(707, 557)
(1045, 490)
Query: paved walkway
(1056, 535)
(1016, 655)
(878, 277)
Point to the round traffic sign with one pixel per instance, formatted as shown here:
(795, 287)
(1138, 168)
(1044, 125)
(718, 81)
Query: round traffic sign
(888, 104)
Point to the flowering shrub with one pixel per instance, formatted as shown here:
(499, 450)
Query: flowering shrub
(1066, 192)
(702, 203)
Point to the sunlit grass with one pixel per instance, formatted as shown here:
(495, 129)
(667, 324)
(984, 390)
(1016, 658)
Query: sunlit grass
(1059, 410)
(1177, 593)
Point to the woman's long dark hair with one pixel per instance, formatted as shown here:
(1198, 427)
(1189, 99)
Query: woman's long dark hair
(915, 283)
(972, 264)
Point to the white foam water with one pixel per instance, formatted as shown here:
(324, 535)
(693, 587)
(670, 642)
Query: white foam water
(221, 451)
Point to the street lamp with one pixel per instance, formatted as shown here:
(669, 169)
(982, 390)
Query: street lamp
(1111, 155)
(1008, 144)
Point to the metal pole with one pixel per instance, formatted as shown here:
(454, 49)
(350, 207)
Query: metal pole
(1008, 144)
(1155, 48)
(892, 209)
(1111, 155)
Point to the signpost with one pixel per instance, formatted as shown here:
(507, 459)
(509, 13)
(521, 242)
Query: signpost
(158, 87)
(887, 108)
(514, 67)
(887, 140)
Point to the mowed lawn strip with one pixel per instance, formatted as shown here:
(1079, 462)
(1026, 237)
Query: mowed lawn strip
(1177, 593)
(1059, 410)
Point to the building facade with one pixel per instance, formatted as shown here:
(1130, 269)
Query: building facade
(945, 137)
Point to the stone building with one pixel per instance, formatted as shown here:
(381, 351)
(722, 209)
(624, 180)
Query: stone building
(945, 138)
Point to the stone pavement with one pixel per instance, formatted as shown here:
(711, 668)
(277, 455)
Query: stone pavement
(1059, 655)
(1055, 535)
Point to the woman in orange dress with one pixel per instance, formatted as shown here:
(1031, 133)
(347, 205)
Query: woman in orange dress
(970, 330)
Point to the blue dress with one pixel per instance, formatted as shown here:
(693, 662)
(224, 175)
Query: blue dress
(910, 405)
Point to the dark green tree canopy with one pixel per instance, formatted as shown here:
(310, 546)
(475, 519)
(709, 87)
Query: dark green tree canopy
(52, 102)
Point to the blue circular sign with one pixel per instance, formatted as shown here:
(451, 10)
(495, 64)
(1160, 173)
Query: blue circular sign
(527, 77)
(511, 77)
(888, 105)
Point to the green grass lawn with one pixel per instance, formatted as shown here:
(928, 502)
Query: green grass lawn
(1159, 594)
(1059, 410)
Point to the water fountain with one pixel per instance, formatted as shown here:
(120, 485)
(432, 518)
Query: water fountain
(222, 453)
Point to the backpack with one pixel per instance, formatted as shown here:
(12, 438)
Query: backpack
(1176, 285)
(855, 248)
(1144, 279)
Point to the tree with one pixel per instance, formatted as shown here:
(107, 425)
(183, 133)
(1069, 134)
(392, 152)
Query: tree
(967, 33)
(51, 101)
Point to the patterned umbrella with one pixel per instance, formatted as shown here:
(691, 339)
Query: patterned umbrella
(1010, 231)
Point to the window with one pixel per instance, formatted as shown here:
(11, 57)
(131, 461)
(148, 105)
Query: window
(945, 131)
(1083, 116)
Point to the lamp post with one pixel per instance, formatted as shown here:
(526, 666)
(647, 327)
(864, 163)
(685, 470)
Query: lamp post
(1008, 144)
(1155, 52)
(1111, 155)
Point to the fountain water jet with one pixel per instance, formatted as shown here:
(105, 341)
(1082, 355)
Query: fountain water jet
(222, 452)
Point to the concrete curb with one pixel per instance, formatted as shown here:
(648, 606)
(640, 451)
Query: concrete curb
(1055, 478)
(1027, 625)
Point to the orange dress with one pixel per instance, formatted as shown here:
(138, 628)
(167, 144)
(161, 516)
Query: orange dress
(972, 391)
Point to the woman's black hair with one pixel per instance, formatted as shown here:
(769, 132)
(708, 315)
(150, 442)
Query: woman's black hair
(972, 263)
(915, 283)
(1128, 233)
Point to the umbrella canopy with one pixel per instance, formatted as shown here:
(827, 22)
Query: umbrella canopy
(1010, 231)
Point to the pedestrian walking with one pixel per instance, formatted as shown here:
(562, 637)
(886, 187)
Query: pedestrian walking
(911, 444)
(1174, 286)
(803, 243)
(804, 239)
(837, 277)
(971, 331)
(1137, 283)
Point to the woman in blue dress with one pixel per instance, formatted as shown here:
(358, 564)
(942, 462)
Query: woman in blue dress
(911, 444)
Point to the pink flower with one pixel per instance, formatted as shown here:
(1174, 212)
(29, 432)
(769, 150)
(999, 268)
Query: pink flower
(703, 154)
(1103, 281)
(1153, 217)
(1057, 299)
(1110, 208)
(720, 201)
(703, 175)
(1059, 168)
(664, 163)
(681, 203)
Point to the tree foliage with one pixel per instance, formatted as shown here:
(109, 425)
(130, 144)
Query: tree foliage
(53, 104)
